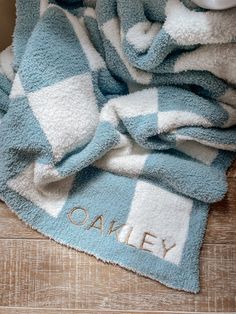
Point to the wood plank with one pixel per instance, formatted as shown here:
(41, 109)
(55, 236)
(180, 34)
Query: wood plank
(15, 310)
(232, 170)
(43, 273)
(7, 22)
(220, 229)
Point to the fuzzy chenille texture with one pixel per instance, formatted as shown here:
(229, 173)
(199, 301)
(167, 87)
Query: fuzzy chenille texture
(117, 127)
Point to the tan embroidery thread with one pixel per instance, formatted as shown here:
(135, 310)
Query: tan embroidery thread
(97, 223)
(114, 227)
(86, 216)
(128, 237)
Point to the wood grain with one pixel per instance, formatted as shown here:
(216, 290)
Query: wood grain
(42, 273)
(12, 227)
(232, 170)
(39, 274)
(221, 226)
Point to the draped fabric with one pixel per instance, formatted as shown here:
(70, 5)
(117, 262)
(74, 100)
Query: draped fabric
(117, 127)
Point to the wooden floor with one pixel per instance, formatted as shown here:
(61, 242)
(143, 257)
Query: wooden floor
(7, 22)
(41, 276)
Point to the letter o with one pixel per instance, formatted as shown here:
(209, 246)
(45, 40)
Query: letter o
(86, 216)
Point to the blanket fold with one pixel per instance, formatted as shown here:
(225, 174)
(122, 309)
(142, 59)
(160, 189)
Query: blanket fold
(118, 123)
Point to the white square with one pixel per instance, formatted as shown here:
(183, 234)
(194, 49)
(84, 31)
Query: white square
(67, 112)
(160, 217)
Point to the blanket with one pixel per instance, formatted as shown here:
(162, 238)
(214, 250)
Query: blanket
(117, 127)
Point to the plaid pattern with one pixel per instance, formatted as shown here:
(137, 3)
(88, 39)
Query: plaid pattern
(117, 127)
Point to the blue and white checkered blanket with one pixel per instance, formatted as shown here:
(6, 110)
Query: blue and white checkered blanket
(117, 127)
